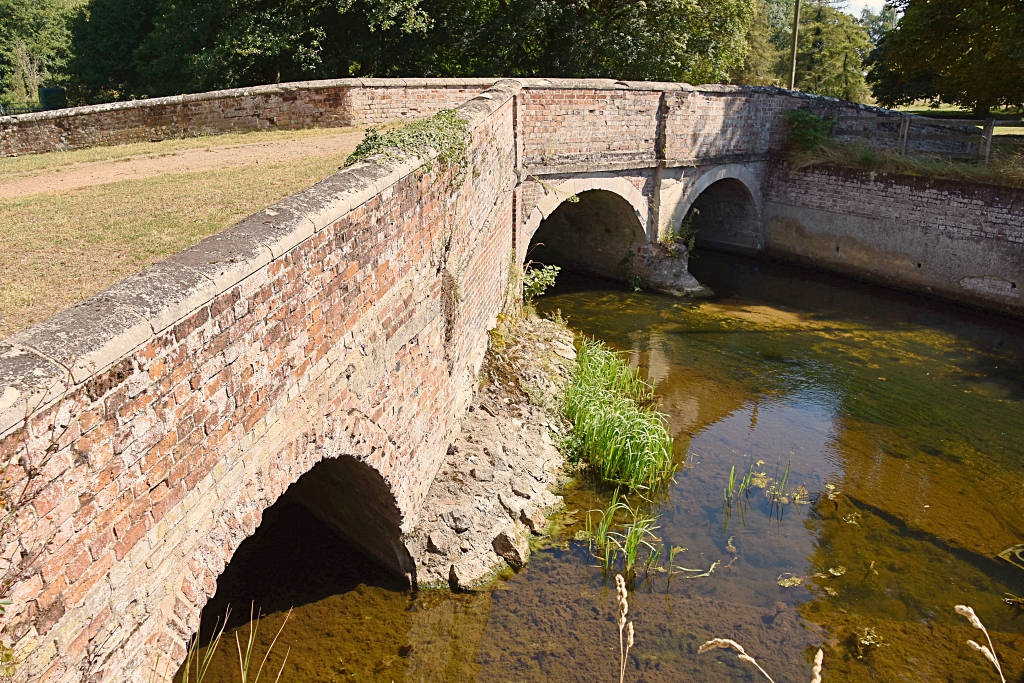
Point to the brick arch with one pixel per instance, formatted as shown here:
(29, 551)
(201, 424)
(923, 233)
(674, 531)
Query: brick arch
(688, 194)
(348, 438)
(608, 182)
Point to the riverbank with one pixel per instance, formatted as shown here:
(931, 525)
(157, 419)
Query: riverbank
(498, 483)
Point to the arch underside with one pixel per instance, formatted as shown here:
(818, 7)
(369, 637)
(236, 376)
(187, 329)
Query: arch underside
(596, 232)
(724, 204)
(332, 469)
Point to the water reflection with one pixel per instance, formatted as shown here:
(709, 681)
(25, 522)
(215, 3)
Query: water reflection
(909, 412)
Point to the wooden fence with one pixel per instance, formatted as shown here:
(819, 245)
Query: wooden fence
(951, 138)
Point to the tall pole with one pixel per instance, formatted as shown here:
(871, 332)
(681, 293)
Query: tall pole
(792, 54)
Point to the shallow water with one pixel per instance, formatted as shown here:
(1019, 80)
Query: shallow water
(913, 410)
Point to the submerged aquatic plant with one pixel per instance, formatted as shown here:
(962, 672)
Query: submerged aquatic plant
(726, 644)
(988, 651)
(617, 429)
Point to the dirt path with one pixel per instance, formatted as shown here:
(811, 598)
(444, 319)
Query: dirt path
(75, 176)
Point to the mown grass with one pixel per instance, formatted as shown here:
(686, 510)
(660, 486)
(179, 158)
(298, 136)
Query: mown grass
(32, 163)
(616, 429)
(1005, 167)
(57, 249)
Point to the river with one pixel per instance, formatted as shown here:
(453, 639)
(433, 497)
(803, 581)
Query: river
(900, 421)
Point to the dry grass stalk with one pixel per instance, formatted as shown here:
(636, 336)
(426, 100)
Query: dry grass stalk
(816, 671)
(726, 644)
(990, 650)
(1004, 168)
(625, 628)
(244, 659)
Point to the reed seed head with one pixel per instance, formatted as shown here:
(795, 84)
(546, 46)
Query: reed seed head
(629, 635)
(985, 651)
(816, 671)
(968, 612)
(721, 643)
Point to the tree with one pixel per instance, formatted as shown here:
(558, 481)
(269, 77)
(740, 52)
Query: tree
(878, 25)
(831, 53)
(106, 34)
(762, 63)
(964, 52)
(34, 39)
(158, 47)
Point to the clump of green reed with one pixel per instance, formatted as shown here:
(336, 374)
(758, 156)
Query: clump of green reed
(635, 536)
(616, 428)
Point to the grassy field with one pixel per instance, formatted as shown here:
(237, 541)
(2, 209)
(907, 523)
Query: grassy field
(58, 248)
(948, 111)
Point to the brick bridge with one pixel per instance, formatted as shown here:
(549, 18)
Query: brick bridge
(325, 348)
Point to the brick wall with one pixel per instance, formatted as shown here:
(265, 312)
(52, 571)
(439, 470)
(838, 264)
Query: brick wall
(203, 387)
(166, 413)
(325, 104)
(955, 239)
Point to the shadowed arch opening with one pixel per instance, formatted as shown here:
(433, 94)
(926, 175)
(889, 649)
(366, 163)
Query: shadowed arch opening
(599, 234)
(336, 528)
(725, 217)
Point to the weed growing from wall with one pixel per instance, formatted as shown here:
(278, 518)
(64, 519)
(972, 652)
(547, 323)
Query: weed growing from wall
(536, 281)
(685, 233)
(807, 130)
(444, 133)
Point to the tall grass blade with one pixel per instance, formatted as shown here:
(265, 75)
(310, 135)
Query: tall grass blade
(617, 429)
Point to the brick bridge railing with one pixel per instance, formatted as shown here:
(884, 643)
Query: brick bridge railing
(157, 420)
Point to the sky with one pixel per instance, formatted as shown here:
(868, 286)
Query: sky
(855, 6)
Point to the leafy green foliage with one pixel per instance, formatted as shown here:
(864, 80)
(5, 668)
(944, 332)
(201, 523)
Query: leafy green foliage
(964, 52)
(831, 53)
(807, 131)
(763, 64)
(617, 430)
(878, 25)
(444, 133)
(537, 280)
(34, 39)
(105, 36)
(135, 48)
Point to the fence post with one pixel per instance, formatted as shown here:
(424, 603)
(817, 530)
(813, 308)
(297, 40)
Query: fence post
(987, 141)
(901, 146)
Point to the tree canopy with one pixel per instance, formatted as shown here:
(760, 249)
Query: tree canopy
(134, 48)
(34, 39)
(964, 52)
(831, 50)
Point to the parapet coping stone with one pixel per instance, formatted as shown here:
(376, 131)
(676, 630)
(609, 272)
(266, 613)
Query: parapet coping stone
(366, 83)
(40, 364)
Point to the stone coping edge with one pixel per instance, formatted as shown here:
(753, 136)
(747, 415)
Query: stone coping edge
(526, 83)
(40, 364)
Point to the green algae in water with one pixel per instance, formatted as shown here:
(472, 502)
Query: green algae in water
(903, 415)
